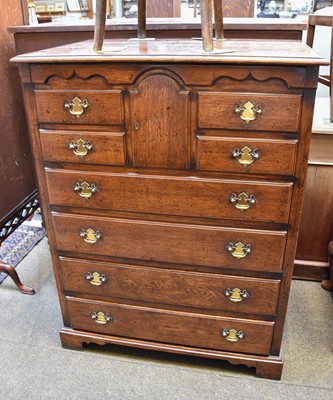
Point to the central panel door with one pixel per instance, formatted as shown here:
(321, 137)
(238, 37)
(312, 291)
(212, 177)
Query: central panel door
(160, 121)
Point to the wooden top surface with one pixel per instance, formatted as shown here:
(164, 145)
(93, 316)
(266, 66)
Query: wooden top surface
(185, 50)
(164, 24)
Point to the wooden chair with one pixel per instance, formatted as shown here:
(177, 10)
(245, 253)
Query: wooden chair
(323, 20)
(207, 7)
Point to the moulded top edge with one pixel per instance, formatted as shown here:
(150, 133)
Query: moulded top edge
(189, 50)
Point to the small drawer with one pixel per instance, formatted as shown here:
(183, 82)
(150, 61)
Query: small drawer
(211, 246)
(182, 196)
(167, 286)
(188, 329)
(83, 147)
(255, 156)
(80, 107)
(275, 112)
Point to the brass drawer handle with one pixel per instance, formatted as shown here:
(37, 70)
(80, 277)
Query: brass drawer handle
(101, 318)
(80, 147)
(243, 201)
(239, 250)
(245, 155)
(236, 295)
(232, 335)
(76, 106)
(248, 112)
(90, 236)
(85, 189)
(95, 278)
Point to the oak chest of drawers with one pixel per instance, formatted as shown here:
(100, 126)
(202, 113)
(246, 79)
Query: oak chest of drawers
(171, 183)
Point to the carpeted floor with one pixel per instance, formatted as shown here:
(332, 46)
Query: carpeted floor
(34, 366)
(19, 244)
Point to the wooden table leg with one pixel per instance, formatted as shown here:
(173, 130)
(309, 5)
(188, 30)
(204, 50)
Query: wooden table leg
(328, 284)
(13, 274)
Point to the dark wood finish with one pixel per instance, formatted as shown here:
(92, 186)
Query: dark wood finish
(238, 8)
(266, 367)
(17, 178)
(107, 147)
(316, 229)
(10, 271)
(183, 196)
(160, 141)
(163, 9)
(215, 154)
(32, 38)
(51, 107)
(100, 24)
(327, 80)
(142, 13)
(218, 19)
(222, 114)
(172, 287)
(17, 174)
(163, 217)
(200, 245)
(172, 326)
(207, 25)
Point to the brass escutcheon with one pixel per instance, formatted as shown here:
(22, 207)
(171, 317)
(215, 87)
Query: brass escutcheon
(100, 317)
(236, 295)
(232, 335)
(239, 250)
(248, 112)
(242, 201)
(80, 147)
(90, 236)
(95, 278)
(85, 189)
(245, 155)
(76, 106)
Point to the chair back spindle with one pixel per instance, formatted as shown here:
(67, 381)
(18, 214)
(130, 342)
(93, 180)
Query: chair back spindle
(206, 22)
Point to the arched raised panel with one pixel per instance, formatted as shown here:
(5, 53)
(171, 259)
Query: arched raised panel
(160, 123)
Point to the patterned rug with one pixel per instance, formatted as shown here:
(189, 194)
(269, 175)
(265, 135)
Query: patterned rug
(18, 245)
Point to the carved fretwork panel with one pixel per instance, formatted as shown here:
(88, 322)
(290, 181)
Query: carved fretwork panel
(160, 123)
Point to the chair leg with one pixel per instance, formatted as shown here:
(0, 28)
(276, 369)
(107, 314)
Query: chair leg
(218, 18)
(328, 284)
(99, 32)
(142, 14)
(13, 274)
(206, 11)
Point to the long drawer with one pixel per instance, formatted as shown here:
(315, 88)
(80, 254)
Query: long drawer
(240, 249)
(276, 112)
(86, 147)
(189, 329)
(169, 195)
(168, 286)
(246, 155)
(80, 106)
